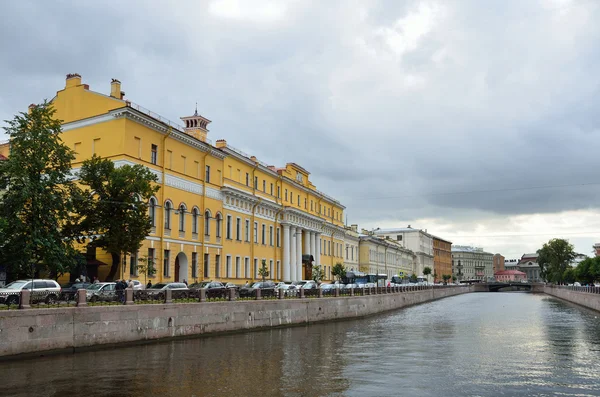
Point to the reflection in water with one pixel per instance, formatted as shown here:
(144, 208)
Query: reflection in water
(484, 344)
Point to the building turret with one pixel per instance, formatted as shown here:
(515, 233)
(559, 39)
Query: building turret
(196, 125)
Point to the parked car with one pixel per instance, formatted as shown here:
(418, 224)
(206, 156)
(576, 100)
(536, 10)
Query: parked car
(138, 285)
(289, 289)
(41, 290)
(101, 292)
(267, 288)
(70, 289)
(158, 291)
(328, 286)
(214, 289)
(348, 286)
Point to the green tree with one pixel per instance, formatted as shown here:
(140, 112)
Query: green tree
(338, 270)
(263, 271)
(36, 201)
(453, 278)
(447, 277)
(317, 273)
(114, 206)
(569, 276)
(588, 270)
(554, 258)
(427, 271)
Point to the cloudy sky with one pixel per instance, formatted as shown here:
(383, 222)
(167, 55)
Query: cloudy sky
(477, 120)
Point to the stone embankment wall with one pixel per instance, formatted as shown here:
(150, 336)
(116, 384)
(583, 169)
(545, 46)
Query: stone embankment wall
(584, 296)
(34, 331)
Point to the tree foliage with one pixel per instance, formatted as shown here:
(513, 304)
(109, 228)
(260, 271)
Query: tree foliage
(317, 273)
(113, 206)
(554, 259)
(263, 271)
(426, 271)
(447, 277)
(413, 278)
(338, 270)
(36, 202)
(587, 271)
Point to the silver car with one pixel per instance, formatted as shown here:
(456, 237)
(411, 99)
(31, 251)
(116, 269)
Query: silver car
(41, 290)
(101, 292)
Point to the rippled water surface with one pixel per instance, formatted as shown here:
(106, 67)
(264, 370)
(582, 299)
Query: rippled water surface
(480, 344)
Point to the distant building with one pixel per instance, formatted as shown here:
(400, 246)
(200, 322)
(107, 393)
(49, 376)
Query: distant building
(472, 263)
(382, 255)
(597, 249)
(511, 264)
(351, 253)
(498, 263)
(510, 275)
(528, 264)
(416, 240)
(442, 258)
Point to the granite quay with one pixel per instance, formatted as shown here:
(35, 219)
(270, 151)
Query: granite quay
(33, 331)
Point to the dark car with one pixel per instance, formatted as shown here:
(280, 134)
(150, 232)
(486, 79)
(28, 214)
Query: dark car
(267, 288)
(70, 289)
(158, 291)
(214, 289)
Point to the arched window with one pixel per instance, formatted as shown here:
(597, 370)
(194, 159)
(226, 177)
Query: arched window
(168, 209)
(182, 209)
(152, 211)
(219, 219)
(195, 214)
(207, 223)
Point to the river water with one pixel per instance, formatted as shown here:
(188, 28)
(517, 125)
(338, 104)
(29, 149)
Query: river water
(480, 344)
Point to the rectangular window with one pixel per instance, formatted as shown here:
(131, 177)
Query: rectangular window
(329, 247)
(271, 236)
(399, 237)
(271, 269)
(278, 191)
(311, 205)
(207, 175)
(194, 265)
(278, 237)
(228, 266)
(151, 262)
(278, 270)
(138, 143)
(256, 182)
(166, 259)
(255, 268)
(264, 234)
(247, 179)
(217, 266)
(153, 154)
(133, 265)
(206, 266)
(247, 231)
(298, 200)
(255, 232)
(264, 186)
(305, 203)
(238, 229)
(247, 267)
(238, 270)
(271, 189)
(286, 195)
(228, 226)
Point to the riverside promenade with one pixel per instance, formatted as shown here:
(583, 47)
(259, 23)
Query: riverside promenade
(32, 332)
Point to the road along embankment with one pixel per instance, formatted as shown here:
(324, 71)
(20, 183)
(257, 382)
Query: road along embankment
(41, 331)
(584, 296)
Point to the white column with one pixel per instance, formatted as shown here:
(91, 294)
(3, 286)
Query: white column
(298, 254)
(318, 249)
(311, 237)
(293, 254)
(286, 253)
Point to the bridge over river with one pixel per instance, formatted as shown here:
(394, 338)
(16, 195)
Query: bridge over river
(508, 286)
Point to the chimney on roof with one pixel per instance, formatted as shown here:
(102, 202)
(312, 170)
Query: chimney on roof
(253, 158)
(73, 80)
(115, 89)
(221, 143)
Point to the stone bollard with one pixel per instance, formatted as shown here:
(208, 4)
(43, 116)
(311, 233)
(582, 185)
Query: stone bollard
(336, 292)
(168, 296)
(352, 291)
(258, 294)
(281, 293)
(301, 293)
(320, 293)
(231, 296)
(202, 297)
(25, 299)
(129, 296)
(81, 297)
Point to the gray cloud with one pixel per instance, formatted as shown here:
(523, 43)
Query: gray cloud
(379, 99)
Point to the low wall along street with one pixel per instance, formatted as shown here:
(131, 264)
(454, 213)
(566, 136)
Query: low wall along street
(35, 331)
(583, 296)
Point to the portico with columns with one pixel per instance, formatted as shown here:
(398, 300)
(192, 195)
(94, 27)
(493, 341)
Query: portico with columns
(301, 236)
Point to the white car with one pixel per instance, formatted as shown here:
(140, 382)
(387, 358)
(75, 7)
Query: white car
(41, 290)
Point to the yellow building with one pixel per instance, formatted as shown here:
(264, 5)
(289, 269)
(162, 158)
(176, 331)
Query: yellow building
(219, 212)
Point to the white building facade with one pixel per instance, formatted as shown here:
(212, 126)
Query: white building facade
(351, 248)
(418, 241)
